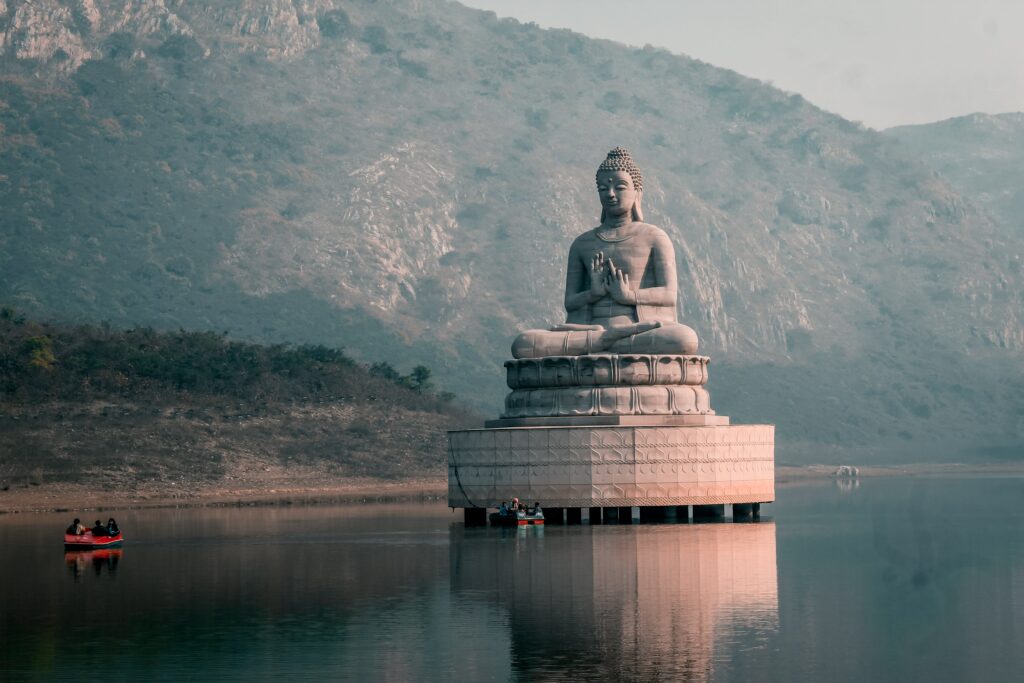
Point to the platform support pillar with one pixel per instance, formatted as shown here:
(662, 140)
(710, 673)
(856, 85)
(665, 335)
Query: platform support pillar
(475, 516)
(652, 513)
(742, 511)
(708, 511)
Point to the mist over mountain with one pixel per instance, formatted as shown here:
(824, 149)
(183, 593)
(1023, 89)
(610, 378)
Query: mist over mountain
(404, 178)
(981, 154)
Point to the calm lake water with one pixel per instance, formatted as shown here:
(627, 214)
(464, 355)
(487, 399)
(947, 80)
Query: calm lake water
(892, 580)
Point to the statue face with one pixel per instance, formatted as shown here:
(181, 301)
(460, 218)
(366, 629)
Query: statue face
(615, 189)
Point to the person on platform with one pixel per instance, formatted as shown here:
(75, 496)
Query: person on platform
(76, 527)
(98, 529)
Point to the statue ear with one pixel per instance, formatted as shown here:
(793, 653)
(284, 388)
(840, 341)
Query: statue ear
(638, 212)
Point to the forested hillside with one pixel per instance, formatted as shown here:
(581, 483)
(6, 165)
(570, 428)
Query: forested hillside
(123, 409)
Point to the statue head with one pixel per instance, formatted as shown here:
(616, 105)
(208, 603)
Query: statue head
(620, 185)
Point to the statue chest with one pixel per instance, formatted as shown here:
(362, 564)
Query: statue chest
(631, 255)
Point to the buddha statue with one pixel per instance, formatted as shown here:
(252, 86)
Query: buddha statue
(620, 284)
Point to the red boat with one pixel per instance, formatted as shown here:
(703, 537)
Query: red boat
(87, 541)
(510, 518)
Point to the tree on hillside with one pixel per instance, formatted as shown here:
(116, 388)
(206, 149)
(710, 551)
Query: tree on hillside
(419, 380)
(40, 352)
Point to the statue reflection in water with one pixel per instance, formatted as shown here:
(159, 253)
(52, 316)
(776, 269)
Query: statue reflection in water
(103, 559)
(639, 602)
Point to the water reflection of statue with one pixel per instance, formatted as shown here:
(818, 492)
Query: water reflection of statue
(643, 605)
(620, 284)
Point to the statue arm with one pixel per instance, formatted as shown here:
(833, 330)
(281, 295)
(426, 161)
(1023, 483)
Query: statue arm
(663, 293)
(577, 293)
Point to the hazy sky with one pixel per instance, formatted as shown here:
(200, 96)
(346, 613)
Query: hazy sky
(881, 62)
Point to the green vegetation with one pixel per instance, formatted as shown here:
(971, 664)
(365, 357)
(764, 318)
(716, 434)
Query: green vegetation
(41, 362)
(418, 380)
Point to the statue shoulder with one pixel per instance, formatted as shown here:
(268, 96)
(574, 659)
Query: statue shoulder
(655, 235)
(585, 239)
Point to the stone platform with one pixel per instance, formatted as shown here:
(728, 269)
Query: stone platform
(615, 465)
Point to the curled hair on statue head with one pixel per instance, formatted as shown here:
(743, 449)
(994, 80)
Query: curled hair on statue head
(619, 159)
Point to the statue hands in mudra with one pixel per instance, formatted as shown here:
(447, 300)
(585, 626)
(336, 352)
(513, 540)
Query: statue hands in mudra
(620, 284)
(606, 279)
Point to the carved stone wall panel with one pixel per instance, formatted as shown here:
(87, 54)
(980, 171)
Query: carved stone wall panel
(612, 438)
(511, 476)
(538, 447)
(581, 476)
(519, 441)
(613, 465)
(579, 437)
(601, 474)
(583, 455)
(502, 439)
(558, 439)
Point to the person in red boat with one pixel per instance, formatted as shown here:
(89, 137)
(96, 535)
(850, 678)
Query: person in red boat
(112, 529)
(98, 529)
(76, 528)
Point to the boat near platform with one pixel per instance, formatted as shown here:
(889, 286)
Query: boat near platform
(516, 518)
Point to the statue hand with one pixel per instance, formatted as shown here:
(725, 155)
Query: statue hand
(618, 286)
(597, 277)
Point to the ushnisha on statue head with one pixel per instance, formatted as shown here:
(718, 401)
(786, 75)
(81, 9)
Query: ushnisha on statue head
(613, 177)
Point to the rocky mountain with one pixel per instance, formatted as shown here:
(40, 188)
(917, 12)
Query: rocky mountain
(404, 178)
(980, 154)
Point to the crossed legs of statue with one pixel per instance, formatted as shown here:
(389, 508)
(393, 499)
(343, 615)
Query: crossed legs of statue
(579, 340)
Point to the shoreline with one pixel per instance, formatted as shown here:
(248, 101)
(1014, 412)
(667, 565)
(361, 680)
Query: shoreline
(59, 497)
(796, 474)
(75, 497)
